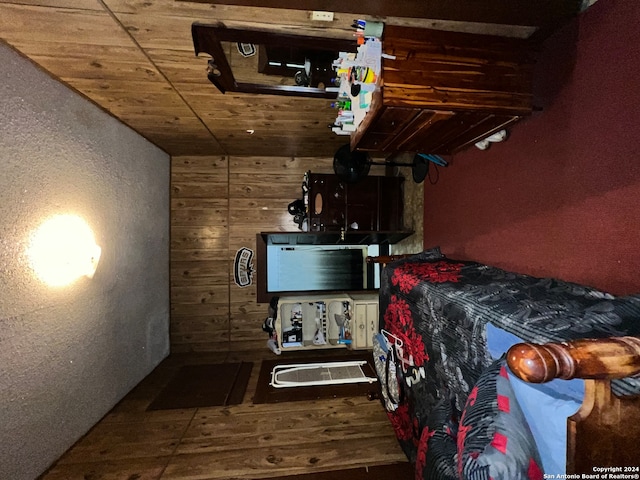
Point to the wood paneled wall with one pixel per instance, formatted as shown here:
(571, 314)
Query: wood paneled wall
(218, 204)
(136, 60)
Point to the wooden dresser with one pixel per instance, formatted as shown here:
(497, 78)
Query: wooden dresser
(445, 91)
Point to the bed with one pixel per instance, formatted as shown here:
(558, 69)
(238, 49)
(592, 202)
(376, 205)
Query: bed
(480, 372)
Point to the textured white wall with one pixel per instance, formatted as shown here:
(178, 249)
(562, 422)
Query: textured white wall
(67, 355)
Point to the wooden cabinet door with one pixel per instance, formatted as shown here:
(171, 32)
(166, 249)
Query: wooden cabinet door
(327, 203)
(365, 324)
(362, 205)
(370, 205)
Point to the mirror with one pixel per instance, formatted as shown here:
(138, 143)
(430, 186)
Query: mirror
(259, 62)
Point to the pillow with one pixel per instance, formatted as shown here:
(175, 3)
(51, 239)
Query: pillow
(494, 439)
(433, 253)
(427, 255)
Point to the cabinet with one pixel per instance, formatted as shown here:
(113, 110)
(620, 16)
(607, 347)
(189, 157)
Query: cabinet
(440, 92)
(374, 204)
(365, 322)
(331, 321)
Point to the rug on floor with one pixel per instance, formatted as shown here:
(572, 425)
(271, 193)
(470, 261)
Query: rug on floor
(265, 393)
(209, 385)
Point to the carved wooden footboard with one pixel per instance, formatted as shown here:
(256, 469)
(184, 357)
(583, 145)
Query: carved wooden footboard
(605, 431)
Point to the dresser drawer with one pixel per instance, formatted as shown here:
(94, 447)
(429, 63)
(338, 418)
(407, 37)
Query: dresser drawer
(393, 119)
(374, 142)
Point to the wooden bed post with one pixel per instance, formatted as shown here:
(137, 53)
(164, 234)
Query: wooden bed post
(605, 431)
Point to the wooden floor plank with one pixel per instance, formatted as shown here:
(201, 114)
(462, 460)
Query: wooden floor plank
(244, 441)
(398, 471)
(128, 440)
(139, 469)
(265, 462)
(277, 438)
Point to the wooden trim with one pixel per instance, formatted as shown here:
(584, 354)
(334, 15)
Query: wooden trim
(385, 259)
(541, 13)
(288, 90)
(207, 38)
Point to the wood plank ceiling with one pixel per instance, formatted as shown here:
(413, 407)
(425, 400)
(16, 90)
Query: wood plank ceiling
(135, 59)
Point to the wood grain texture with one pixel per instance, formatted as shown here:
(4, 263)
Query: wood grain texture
(503, 11)
(604, 358)
(243, 441)
(441, 92)
(457, 71)
(613, 421)
(135, 59)
(218, 204)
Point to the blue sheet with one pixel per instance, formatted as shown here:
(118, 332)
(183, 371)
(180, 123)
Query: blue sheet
(558, 399)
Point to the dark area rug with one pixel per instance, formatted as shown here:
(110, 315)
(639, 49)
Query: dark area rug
(210, 385)
(265, 393)
(396, 471)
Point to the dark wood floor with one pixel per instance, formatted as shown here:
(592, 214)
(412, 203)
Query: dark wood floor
(244, 441)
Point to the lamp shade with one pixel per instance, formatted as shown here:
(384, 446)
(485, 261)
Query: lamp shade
(350, 166)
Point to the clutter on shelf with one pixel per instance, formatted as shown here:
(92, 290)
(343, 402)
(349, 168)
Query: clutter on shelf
(343, 321)
(356, 76)
(292, 334)
(269, 326)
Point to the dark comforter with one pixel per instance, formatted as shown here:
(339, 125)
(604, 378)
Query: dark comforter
(440, 308)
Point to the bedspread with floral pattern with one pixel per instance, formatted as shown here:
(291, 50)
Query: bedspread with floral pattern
(435, 309)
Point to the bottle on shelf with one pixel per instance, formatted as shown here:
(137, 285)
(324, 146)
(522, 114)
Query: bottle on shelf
(342, 104)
